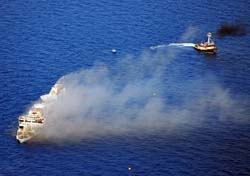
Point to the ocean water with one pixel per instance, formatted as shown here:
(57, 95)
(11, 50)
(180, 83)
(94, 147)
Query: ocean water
(44, 40)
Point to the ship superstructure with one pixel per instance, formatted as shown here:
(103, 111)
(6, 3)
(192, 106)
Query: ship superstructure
(30, 124)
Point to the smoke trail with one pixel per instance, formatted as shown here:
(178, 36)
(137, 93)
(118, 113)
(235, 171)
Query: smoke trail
(190, 32)
(234, 29)
(106, 99)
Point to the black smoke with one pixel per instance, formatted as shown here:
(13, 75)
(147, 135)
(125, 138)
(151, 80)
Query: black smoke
(233, 29)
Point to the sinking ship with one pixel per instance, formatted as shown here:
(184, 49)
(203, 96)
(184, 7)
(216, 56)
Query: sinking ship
(30, 124)
(208, 46)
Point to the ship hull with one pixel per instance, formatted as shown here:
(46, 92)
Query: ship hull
(28, 131)
(22, 140)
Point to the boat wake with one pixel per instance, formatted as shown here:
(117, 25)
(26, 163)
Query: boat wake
(173, 45)
(157, 46)
(182, 44)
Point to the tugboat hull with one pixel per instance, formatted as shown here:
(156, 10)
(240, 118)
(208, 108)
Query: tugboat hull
(205, 49)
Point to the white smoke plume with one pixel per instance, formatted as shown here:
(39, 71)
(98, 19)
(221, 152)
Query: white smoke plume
(133, 95)
(190, 32)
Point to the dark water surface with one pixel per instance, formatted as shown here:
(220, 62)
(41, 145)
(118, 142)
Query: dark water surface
(42, 41)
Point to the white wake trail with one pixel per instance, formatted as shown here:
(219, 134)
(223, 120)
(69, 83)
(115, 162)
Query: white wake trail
(157, 46)
(173, 45)
(182, 44)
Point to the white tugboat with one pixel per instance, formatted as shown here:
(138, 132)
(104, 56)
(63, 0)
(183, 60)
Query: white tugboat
(208, 46)
(31, 123)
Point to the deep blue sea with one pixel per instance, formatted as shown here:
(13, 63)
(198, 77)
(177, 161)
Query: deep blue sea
(40, 41)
